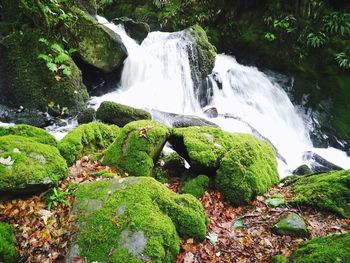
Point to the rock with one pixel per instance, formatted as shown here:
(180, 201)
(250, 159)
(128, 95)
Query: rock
(89, 6)
(196, 186)
(86, 116)
(36, 134)
(136, 30)
(173, 164)
(329, 249)
(97, 45)
(137, 147)
(319, 164)
(87, 138)
(302, 170)
(180, 120)
(248, 169)
(28, 166)
(8, 251)
(28, 82)
(211, 112)
(291, 225)
(118, 114)
(276, 200)
(134, 220)
(327, 191)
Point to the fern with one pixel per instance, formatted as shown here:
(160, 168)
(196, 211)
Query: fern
(343, 60)
(337, 23)
(316, 40)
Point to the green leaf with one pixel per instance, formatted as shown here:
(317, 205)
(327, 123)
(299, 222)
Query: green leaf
(67, 71)
(61, 57)
(43, 41)
(44, 57)
(72, 50)
(57, 48)
(52, 67)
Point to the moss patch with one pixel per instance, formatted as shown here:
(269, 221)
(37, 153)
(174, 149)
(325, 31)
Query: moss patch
(247, 170)
(28, 165)
(137, 147)
(135, 220)
(118, 114)
(196, 186)
(36, 134)
(8, 252)
(330, 249)
(87, 138)
(328, 191)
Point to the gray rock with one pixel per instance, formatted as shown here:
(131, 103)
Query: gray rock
(291, 224)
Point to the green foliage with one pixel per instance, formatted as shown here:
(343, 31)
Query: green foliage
(337, 23)
(131, 219)
(8, 252)
(270, 36)
(57, 58)
(87, 138)
(316, 40)
(57, 196)
(329, 249)
(343, 59)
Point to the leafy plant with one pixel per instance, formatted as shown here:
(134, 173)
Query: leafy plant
(337, 23)
(316, 40)
(57, 196)
(57, 58)
(343, 59)
(270, 36)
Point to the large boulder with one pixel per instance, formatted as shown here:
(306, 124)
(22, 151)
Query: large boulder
(248, 169)
(136, 30)
(137, 147)
(8, 252)
(87, 138)
(118, 114)
(327, 191)
(134, 220)
(329, 249)
(36, 134)
(27, 165)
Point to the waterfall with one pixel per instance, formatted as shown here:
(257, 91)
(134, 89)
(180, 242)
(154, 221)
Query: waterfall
(157, 75)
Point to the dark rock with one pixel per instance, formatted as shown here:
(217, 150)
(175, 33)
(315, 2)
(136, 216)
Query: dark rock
(302, 170)
(291, 224)
(118, 114)
(173, 164)
(136, 30)
(86, 116)
(319, 164)
(211, 112)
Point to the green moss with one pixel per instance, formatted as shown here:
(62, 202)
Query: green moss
(247, 170)
(196, 186)
(87, 138)
(36, 134)
(137, 147)
(31, 165)
(8, 252)
(135, 220)
(279, 259)
(27, 80)
(330, 249)
(328, 191)
(118, 114)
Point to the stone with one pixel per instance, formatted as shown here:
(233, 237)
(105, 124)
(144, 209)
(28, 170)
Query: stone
(291, 224)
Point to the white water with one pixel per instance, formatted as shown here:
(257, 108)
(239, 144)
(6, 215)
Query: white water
(157, 75)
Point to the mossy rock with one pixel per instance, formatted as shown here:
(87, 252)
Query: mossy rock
(86, 116)
(328, 191)
(28, 82)
(8, 252)
(28, 166)
(134, 220)
(247, 170)
(36, 134)
(118, 114)
(291, 224)
(202, 147)
(96, 45)
(137, 147)
(196, 186)
(89, 6)
(87, 138)
(329, 249)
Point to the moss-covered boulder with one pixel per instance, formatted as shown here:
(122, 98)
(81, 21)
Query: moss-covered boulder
(87, 138)
(134, 220)
(8, 252)
(328, 191)
(28, 166)
(196, 186)
(118, 114)
(137, 147)
(329, 249)
(291, 224)
(36, 134)
(86, 116)
(96, 45)
(247, 170)
(27, 81)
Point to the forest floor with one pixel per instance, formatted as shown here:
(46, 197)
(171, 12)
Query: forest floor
(240, 234)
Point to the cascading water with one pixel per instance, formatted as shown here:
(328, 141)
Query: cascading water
(157, 75)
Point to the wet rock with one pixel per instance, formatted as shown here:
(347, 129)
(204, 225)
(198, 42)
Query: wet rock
(319, 164)
(291, 224)
(211, 112)
(86, 116)
(302, 170)
(136, 30)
